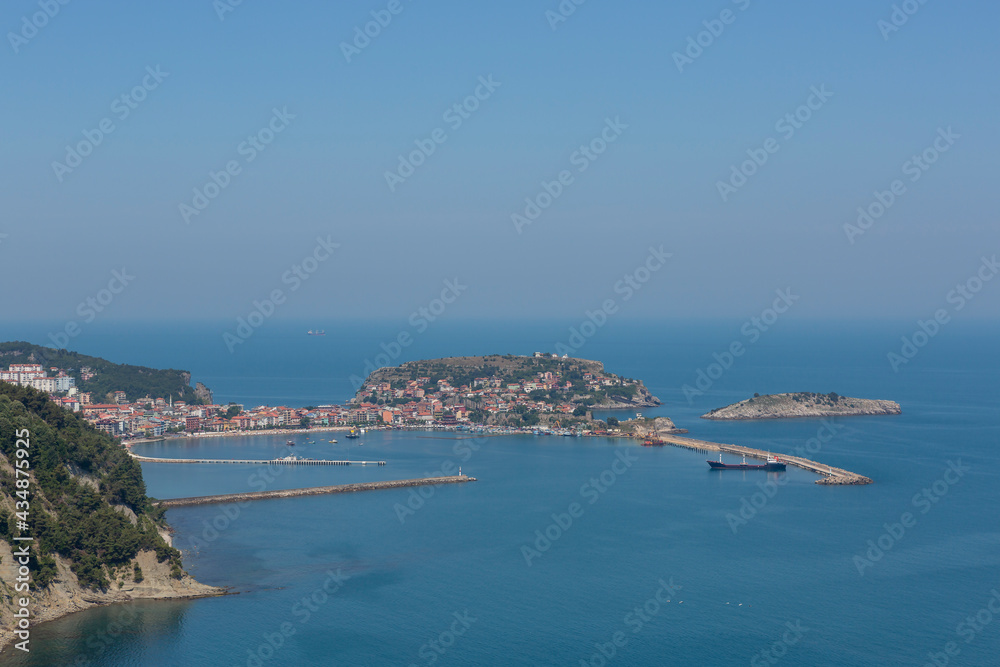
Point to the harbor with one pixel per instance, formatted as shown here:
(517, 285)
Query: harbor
(313, 491)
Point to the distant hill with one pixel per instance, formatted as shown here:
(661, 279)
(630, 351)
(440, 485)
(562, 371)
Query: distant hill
(135, 381)
(803, 404)
(97, 537)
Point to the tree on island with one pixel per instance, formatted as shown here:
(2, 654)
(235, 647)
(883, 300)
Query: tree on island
(612, 422)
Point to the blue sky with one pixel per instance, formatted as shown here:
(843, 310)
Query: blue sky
(656, 184)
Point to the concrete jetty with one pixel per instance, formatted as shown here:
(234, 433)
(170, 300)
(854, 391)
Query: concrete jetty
(830, 474)
(312, 491)
(288, 461)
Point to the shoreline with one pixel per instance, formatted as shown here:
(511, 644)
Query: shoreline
(811, 415)
(224, 434)
(7, 636)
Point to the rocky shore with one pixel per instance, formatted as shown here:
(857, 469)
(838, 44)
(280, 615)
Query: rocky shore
(65, 595)
(645, 428)
(803, 404)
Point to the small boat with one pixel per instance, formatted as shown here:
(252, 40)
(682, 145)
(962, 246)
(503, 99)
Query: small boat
(290, 443)
(653, 442)
(352, 434)
(772, 464)
(333, 440)
(318, 332)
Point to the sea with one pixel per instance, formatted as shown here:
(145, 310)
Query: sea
(577, 551)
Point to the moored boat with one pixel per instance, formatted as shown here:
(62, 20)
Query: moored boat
(772, 464)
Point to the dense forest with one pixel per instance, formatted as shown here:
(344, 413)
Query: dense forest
(85, 489)
(135, 381)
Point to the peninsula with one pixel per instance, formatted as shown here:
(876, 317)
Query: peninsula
(802, 404)
(508, 390)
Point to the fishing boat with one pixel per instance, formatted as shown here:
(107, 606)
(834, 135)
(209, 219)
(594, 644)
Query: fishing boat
(352, 434)
(290, 443)
(772, 464)
(333, 440)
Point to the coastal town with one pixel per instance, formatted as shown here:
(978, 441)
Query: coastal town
(558, 396)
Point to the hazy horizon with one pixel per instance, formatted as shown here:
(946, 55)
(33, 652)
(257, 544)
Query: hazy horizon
(619, 143)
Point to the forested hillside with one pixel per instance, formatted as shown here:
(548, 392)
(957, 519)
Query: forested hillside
(87, 498)
(135, 381)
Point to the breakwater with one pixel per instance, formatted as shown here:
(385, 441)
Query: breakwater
(288, 461)
(831, 475)
(312, 491)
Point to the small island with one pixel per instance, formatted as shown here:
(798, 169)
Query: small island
(803, 404)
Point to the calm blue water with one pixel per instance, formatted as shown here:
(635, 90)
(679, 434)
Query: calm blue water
(661, 517)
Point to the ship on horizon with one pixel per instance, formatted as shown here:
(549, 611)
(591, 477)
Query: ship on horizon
(317, 332)
(773, 464)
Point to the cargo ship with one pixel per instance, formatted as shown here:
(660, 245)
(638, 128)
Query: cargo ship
(773, 464)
